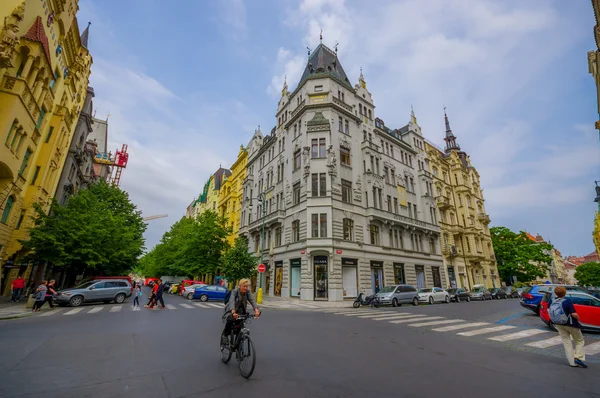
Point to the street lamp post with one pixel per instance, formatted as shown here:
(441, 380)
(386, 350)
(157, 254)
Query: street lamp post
(261, 197)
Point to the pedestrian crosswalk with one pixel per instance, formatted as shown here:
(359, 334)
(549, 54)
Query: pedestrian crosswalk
(88, 310)
(466, 329)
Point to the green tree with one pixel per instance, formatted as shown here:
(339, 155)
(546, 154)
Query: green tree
(238, 262)
(519, 256)
(588, 274)
(97, 230)
(191, 247)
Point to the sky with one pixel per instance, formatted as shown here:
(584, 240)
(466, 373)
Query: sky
(185, 83)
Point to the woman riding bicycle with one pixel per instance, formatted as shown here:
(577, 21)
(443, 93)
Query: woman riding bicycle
(238, 300)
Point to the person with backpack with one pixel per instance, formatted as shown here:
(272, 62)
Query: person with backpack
(236, 302)
(566, 320)
(138, 293)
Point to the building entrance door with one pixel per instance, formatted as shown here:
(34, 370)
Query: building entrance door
(437, 279)
(321, 277)
(278, 277)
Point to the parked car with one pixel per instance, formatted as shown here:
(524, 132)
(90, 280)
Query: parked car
(434, 294)
(586, 305)
(398, 294)
(148, 281)
(459, 294)
(511, 292)
(96, 290)
(186, 283)
(188, 291)
(481, 293)
(209, 292)
(532, 296)
(497, 293)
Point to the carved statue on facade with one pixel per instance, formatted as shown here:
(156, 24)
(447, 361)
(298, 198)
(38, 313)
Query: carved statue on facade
(331, 161)
(10, 36)
(595, 72)
(305, 155)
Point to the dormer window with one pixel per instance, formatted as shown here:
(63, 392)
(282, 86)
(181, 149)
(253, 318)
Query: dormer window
(318, 88)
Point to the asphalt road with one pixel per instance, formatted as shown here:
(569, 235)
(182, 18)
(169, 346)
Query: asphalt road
(316, 353)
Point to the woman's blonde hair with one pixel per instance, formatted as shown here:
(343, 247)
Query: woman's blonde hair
(243, 281)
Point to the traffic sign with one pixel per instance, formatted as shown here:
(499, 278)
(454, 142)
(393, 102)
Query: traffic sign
(262, 268)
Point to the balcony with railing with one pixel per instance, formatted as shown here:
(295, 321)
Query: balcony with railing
(342, 104)
(274, 216)
(449, 250)
(369, 145)
(443, 202)
(298, 108)
(484, 218)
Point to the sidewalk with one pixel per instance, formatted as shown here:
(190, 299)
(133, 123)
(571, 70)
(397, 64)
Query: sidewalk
(288, 303)
(10, 310)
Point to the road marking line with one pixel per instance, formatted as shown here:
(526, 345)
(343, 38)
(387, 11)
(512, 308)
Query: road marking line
(186, 305)
(52, 312)
(546, 343)
(458, 327)
(116, 308)
(378, 315)
(74, 311)
(201, 305)
(593, 349)
(136, 308)
(416, 317)
(486, 330)
(305, 305)
(95, 309)
(215, 305)
(418, 325)
(519, 335)
(413, 319)
(171, 307)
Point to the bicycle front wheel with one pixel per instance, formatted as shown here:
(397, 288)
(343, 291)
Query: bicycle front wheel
(246, 357)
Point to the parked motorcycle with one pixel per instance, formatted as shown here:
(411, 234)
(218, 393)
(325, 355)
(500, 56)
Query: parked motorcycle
(372, 300)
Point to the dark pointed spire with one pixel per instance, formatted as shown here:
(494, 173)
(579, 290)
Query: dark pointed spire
(85, 36)
(450, 138)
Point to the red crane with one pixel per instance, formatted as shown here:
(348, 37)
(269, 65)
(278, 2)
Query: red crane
(121, 158)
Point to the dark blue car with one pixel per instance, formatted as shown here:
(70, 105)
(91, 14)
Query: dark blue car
(532, 296)
(210, 292)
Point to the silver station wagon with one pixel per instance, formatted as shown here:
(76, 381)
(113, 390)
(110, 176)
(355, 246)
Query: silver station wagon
(98, 290)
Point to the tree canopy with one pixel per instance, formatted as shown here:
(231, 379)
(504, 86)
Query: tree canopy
(588, 274)
(98, 229)
(191, 247)
(518, 256)
(238, 262)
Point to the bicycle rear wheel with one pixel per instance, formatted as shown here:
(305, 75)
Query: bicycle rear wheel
(246, 357)
(225, 353)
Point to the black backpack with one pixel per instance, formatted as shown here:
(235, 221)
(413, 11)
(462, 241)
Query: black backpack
(227, 296)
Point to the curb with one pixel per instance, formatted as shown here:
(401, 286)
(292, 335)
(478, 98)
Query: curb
(15, 316)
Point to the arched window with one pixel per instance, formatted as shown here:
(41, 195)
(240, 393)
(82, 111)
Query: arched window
(7, 209)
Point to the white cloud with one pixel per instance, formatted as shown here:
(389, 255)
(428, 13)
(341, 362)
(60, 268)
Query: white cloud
(233, 13)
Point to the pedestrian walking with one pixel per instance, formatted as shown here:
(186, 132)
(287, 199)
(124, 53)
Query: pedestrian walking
(138, 293)
(152, 298)
(17, 288)
(566, 320)
(40, 296)
(50, 294)
(160, 288)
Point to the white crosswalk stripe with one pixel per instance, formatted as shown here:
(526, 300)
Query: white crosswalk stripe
(95, 309)
(518, 335)
(215, 305)
(413, 320)
(201, 305)
(186, 305)
(116, 308)
(136, 308)
(546, 343)
(171, 307)
(381, 315)
(52, 312)
(593, 349)
(461, 326)
(414, 317)
(433, 323)
(486, 330)
(73, 311)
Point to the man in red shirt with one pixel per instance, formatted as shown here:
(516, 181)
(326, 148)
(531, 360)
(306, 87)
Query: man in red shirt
(17, 288)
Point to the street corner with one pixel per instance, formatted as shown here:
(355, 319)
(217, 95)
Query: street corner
(7, 315)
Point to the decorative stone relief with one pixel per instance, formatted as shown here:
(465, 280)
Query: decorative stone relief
(331, 161)
(10, 36)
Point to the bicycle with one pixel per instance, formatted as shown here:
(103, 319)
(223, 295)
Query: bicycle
(240, 342)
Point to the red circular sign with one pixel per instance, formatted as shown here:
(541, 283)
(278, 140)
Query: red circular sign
(338, 252)
(262, 268)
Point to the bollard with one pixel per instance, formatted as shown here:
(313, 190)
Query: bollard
(30, 301)
(259, 296)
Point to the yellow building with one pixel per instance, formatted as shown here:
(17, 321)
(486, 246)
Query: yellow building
(230, 194)
(466, 244)
(594, 68)
(209, 198)
(44, 73)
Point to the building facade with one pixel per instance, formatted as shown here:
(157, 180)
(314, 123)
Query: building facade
(230, 194)
(78, 172)
(347, 202)
(466, 243)
(44, 72)
(209, 198)
(98, 139)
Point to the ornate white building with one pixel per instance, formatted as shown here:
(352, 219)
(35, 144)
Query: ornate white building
(348, 202)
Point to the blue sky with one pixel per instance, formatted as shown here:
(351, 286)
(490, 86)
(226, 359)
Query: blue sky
(187, 82)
